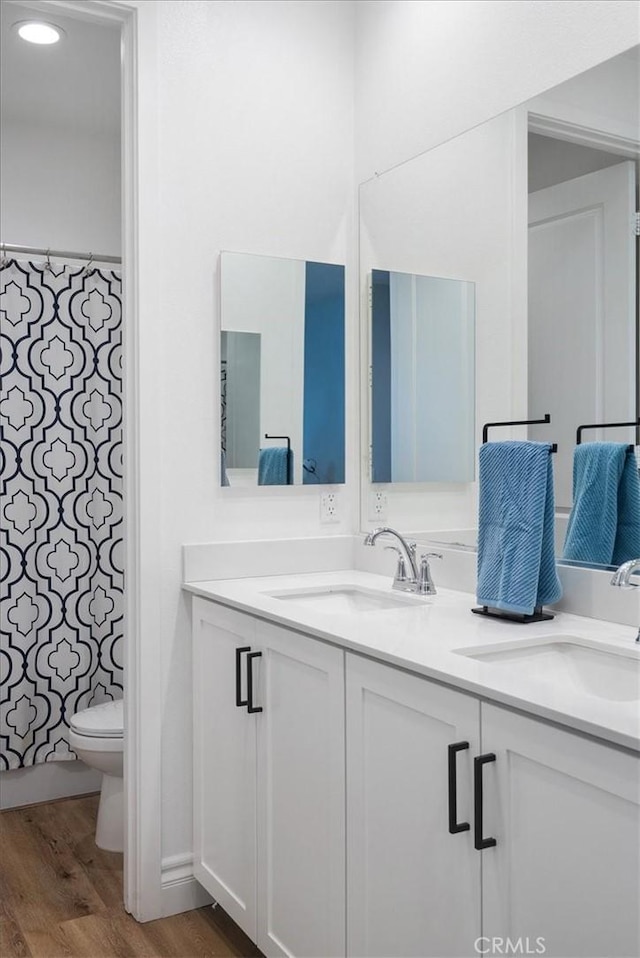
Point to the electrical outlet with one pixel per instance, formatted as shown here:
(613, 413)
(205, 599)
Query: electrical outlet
(378, 506)
(329, 507)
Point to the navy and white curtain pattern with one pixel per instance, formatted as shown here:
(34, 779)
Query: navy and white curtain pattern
(61, 547)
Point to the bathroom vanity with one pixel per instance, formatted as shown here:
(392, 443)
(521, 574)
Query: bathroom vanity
(380, 774)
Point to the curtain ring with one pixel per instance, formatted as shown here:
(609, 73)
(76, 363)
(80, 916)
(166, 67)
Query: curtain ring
(88, 266)
(48, 267)
(4, 259)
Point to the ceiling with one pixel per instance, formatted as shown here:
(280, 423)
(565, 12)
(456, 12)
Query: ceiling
(73, 84)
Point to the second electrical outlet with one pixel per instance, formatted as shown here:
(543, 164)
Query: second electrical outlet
(329, 503)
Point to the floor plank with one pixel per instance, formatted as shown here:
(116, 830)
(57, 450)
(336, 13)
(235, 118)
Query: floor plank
(44, 881)
(63, 896)
(12, 942)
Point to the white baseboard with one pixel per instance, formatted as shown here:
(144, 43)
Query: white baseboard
(180, 890)
(46, 783)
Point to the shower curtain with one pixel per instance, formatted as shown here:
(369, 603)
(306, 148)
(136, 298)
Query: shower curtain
(61, 532)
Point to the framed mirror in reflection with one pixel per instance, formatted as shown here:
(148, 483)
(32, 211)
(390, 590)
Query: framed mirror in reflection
(282, 371)
(536, 208)
(422, 378)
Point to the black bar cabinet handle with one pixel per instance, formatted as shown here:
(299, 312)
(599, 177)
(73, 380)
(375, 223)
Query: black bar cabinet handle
(454, 824)
(239, 652)
(250, 706)
(478, 763)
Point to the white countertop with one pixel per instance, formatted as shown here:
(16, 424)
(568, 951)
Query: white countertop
(422, 636)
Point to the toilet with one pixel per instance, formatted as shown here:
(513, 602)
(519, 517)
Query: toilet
(96, 736)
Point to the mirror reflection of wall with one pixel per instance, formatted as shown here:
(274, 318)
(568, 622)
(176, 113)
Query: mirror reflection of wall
(447, 213)
(282, 371)
(422, 378)
(240, 399)
(581, 295)
(556, 325)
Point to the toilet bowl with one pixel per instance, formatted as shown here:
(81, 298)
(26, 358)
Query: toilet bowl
(96, 736)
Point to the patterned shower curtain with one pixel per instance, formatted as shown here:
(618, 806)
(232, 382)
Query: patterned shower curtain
(61, 509)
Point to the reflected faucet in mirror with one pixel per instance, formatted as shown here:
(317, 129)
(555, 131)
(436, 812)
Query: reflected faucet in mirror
(622, 579)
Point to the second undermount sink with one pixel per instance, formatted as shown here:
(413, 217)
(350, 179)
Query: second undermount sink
(606, 672)
(349, 599)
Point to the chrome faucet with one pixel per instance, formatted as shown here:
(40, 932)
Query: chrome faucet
(622, 578)
(408, 577)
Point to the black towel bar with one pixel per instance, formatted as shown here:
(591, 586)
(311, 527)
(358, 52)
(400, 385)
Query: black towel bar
(605, 425)
(518, 422)
(536, 616)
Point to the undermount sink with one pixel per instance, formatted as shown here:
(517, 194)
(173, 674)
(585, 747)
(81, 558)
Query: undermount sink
(568, 662)
(343, 599)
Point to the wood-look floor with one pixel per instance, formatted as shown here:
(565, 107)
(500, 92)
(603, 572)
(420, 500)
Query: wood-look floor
(60, 895)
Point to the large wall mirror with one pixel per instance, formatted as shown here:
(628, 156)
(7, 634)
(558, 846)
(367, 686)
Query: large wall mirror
(282, 368)
(535, 209)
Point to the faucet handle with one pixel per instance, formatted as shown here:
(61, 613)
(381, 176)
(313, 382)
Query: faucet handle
(426, 585)
(401, 568)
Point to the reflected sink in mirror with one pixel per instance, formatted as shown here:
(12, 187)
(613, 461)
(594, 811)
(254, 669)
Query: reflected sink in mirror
(570, 663)
(347, 599)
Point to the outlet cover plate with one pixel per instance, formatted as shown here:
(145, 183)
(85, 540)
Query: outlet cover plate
(329, 507)
(378, 506)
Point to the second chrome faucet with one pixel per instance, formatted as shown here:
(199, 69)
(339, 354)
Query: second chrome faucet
(409, 576)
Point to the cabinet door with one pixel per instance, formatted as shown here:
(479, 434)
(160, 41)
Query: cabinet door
(301, 826)
(413, 888)
(224, 763)
(565, 814)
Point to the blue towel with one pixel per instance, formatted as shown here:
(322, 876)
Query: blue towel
(272, 466)
(604, 525)
(516, 559)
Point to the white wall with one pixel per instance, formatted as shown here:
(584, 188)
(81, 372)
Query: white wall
(60, 136)
(428, 69)
(606, 98)
(46, 782)
(246, 136)
(60, 188)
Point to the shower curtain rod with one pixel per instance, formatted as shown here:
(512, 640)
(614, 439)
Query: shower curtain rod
(60, 253)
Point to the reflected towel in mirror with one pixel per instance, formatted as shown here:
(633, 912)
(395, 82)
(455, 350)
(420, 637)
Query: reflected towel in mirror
(275, 466)
(516, 557)
(604, 525)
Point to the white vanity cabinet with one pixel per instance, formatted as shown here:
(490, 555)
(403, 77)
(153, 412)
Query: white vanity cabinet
(563, 877)
(565, 812)
(413, 887)
(269, 819)
(346, 807)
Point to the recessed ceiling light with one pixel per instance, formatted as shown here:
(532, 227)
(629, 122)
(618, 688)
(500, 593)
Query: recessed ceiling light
(37, 31)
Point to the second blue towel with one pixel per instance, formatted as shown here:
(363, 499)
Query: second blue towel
(516, 555)
(604, 525)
